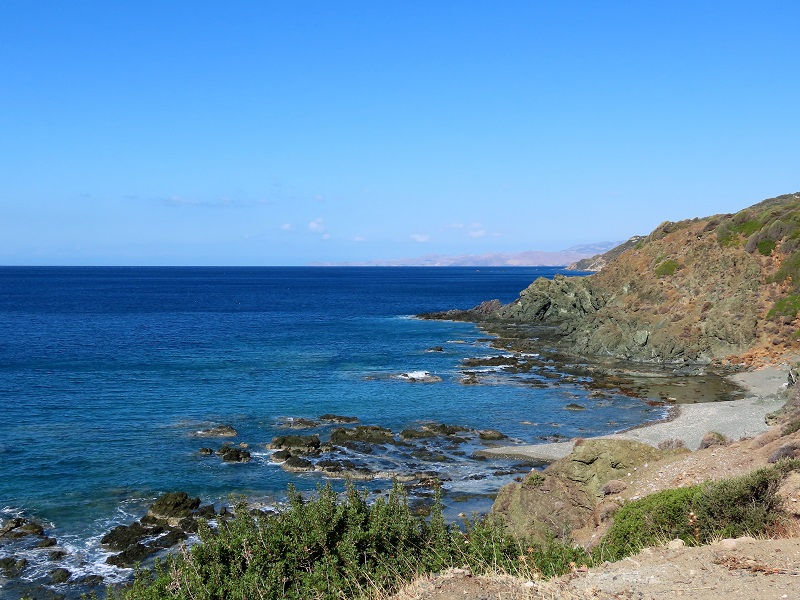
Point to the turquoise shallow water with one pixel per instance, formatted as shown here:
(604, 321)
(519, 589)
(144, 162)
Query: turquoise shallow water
(106, 372)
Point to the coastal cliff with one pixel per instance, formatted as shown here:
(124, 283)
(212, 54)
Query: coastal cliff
(720, 288)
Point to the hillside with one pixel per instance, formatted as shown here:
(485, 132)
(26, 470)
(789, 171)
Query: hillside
(725, 287)
(599, 261)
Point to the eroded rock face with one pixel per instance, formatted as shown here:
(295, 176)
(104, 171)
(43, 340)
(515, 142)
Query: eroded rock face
(566, 495)
(554, 506)
(594, 462)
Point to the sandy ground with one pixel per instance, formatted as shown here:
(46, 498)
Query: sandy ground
(735, 419)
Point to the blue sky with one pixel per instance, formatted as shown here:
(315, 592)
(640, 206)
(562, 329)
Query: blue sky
(273, 132)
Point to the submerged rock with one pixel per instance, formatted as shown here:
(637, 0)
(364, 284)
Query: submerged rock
(218, 431)
(297, 423)
(339, 419)
(370, 434)
(418, 377)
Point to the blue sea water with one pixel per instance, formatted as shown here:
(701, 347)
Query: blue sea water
(105, 373)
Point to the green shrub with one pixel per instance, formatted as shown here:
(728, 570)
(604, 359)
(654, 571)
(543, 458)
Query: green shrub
(746, 505)
(667, 268)
(747, 228)
(785, 307)
(766, 247)
(328, 547)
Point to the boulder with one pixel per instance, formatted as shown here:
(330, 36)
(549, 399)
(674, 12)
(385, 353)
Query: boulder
(296, 464)
(60, 575)
(594, 462)
(229, 454)
(12, 567)
(369, 434)
(131, 555)
(491, 435)
(174, 505)
(123, 536)
(298, 443)
(553, 507)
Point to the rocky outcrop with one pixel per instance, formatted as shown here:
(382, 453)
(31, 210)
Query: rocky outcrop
(694, 291)
(168, 521)
(567, 494)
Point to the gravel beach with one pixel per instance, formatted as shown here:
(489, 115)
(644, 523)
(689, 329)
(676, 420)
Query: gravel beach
(690, 422)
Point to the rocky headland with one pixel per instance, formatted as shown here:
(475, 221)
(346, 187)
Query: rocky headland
(720, 289)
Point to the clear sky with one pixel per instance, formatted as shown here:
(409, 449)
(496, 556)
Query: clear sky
(283, 132)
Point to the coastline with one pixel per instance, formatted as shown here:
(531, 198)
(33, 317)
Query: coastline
(687, 422)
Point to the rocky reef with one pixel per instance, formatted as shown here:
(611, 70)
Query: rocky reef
(722, 288)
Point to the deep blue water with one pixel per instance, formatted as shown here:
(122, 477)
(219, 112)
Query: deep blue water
(106, 372)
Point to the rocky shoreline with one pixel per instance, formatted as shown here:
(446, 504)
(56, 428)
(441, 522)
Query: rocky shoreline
(734, 419)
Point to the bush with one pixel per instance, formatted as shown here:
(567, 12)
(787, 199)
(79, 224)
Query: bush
(746, 505)
(766, 247)
(785, 307)
(329, 548)
(667, 268)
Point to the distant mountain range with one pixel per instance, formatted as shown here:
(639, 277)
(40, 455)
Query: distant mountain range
(530, 258)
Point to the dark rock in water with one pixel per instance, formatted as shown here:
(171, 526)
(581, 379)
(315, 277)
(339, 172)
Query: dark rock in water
(19, 528)
(57, 554)
(12, 567)
(123, 536)
(369, 434)
(40, 592)
(435, 349)
(47, 542)
(476, 456)
(329, 466)
(339, 419)
(411, 434)
(131, 555)
(206, 512)
(573, 406)
(442, 429)
(297, 423)
(229, 454)
(174, 536)
(359, 447)
(280, 456)
(491, 435)
(429, 456)
(299, 443)
(206, 452)
(174, 504)
(298, 465)
(90, 580)
(218, 431)
(59, 575)
(11, 525)
(470, 379)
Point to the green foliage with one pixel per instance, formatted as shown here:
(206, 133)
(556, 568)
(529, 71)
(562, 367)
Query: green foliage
(746, 505)
(766, 247)
(790, 268)
(785, 307)
(667, 268)
(791, 427)
(329, 548)
(534, 480)
(747, 228)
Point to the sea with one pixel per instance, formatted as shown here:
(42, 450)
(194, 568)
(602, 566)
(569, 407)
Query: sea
(107, 373)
